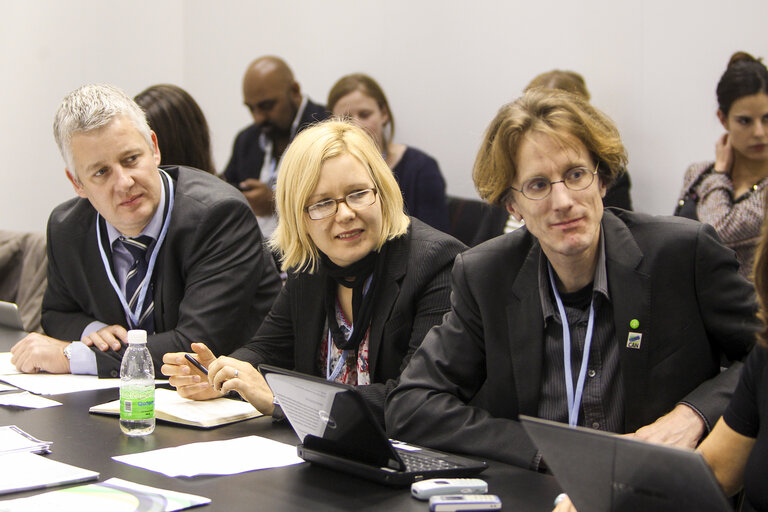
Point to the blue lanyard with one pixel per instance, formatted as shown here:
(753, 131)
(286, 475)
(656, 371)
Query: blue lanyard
(332, 375)
(133, 316)
(574, 402)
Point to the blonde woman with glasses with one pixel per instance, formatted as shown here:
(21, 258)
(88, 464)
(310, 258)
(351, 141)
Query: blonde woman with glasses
(365, 281)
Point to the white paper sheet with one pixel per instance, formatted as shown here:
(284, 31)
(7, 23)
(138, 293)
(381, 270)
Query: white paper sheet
(6, 368)
(227, 457)
(6, 388)
(50, 384)
(14, 439)
(20, 471)
(55, 384)
(28, 400)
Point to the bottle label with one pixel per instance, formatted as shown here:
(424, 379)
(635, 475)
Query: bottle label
(137, 402)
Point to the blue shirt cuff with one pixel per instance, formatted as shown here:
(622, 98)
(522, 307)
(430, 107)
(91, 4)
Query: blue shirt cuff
(92, 327)
(83, 361)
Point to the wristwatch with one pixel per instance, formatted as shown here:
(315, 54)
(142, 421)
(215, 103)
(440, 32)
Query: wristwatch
(68, 351)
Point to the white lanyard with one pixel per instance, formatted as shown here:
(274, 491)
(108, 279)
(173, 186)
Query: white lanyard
(268, 172)
(268, 168)
(134, 316)
(574, 402)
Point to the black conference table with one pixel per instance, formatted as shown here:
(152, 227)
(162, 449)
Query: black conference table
(89, 441)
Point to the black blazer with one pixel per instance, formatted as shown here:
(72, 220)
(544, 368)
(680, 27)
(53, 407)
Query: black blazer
(670, 274)
(213, 282)
(415, 296)
(248, 157)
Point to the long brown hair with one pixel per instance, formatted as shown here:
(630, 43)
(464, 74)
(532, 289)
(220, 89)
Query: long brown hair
(760, 276)
(180, 126)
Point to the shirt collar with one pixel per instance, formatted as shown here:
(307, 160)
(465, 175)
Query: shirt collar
(599, 286)
(155, 225)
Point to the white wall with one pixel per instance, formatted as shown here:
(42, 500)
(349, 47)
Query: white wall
(446, 65)
(50, 47)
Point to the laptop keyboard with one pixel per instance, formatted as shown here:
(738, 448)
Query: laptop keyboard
(415, 462)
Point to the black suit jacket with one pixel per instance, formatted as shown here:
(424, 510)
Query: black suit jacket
(213, 282)
(673, 276)
(247, 155)
(415, 296)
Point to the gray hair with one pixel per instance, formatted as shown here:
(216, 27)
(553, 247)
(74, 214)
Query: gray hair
(92, 107)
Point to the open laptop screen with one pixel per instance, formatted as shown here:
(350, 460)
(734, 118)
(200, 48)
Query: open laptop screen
(603, 471)
(332, 418)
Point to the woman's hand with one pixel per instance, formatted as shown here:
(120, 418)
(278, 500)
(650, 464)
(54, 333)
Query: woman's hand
(723, 154)
(227, 374)
(190, 382)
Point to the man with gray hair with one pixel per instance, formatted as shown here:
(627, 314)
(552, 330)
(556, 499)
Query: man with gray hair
(170, 250)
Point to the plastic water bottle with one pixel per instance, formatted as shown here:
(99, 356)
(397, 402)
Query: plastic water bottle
(137, 387)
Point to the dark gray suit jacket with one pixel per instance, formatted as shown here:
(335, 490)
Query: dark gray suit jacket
(415, 296)
(672, 275)
(213, 282)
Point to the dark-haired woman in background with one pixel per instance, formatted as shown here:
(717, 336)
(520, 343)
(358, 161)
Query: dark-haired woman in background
(180, 126)
(360, 98)
(729, 193)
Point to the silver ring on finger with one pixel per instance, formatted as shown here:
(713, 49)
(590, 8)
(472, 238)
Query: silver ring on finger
(237, 372)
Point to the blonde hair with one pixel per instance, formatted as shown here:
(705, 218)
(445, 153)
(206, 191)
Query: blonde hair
(298, 176)
(561, 115)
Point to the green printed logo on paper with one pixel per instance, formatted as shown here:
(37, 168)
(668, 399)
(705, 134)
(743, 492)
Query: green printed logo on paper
(137, 402)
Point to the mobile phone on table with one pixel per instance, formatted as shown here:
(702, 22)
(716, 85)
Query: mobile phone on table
(425, 489)
(464, 502)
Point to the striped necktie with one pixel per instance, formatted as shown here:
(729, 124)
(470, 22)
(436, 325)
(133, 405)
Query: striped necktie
(134, 279)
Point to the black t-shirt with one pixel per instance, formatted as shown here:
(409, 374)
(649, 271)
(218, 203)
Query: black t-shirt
(747, 414)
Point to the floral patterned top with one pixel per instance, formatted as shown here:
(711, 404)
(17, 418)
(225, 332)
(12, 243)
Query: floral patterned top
(354, 373)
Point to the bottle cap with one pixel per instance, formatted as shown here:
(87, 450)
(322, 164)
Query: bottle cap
(137, 336)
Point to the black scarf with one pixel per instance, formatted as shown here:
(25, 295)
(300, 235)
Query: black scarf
(353, 276)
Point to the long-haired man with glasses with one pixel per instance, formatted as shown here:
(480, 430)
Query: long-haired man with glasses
(653, 305)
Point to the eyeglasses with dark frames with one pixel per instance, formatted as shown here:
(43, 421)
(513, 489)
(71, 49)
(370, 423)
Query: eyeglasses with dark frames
(536, 189)
(356, 200)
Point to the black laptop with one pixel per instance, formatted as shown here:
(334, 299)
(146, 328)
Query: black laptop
(605, 472)
(338, 430)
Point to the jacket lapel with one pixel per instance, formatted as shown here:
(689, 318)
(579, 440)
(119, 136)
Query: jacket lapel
(165, 254)
(630, 297)
(526, 332)
(105, 299)
(309, 321)
(397, 261)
